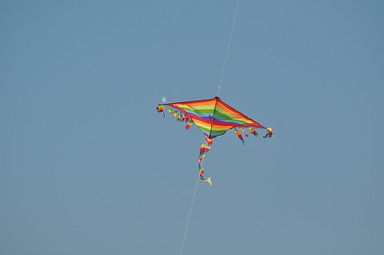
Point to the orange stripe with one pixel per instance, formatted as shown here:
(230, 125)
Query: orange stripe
(234, 112)
(204, 124)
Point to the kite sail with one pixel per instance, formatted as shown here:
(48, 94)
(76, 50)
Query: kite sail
(214, 117)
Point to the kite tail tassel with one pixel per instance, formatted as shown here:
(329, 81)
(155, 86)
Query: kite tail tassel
(205, 179)
(243, 131)
(208, 180)
(238, 134)
(160, 108)
(269, 133)
(253, 131)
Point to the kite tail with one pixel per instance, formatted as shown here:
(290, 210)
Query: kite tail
(204, 148)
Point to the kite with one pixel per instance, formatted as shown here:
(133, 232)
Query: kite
(214, 117)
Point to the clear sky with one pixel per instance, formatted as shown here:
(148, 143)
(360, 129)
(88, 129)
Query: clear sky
(87, 166)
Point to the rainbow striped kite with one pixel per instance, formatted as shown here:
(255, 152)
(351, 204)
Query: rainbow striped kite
(214, 118)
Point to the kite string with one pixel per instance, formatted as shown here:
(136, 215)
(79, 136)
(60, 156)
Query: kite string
(189, 217)
(227, 49)
(218, 94)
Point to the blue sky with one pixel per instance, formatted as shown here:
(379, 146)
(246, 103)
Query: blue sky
(87, 166)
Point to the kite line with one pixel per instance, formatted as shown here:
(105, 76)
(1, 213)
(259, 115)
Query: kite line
(218, 94)
(227, 49)
(189, 217)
